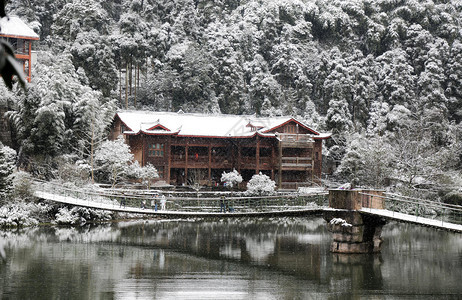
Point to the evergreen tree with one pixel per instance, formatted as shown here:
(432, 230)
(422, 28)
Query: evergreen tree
(7, 164)
(432, 100)
(453, 70)
(386, 68)
(396, 78)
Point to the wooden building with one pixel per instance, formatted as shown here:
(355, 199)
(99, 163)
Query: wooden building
(20, 37)
(190, 148)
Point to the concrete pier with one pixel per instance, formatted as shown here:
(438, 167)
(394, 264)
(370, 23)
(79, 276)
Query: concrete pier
(353, 232)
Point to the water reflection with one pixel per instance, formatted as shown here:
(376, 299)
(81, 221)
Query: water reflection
(224, 259)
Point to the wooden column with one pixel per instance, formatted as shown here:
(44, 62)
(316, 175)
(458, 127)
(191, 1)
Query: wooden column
(280, 165)
(312, 165)
(210, 165)
(186, 150)
(272, 162)
(168, 145)
(239, 158)
(257, 156)
(30, 62)
(143, 151)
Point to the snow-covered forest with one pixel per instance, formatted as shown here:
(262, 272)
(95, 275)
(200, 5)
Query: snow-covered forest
(384, 76)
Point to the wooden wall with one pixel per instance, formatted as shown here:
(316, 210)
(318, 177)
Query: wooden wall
(243, 154)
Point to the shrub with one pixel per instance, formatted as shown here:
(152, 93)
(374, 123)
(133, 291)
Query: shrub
(261, 184)
(22, 186)
(453, 197)
(231, 178)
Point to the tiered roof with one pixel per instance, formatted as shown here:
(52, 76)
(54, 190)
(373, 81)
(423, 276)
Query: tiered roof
(205, 125)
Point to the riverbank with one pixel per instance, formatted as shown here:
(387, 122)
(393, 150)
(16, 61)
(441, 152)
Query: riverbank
(25, 214)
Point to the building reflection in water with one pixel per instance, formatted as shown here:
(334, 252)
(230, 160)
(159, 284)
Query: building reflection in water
(297, 249)
(286, 257)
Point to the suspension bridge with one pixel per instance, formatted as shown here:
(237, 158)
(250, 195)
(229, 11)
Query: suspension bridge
(201, 204)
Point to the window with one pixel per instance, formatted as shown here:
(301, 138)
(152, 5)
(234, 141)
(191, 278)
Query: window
(290, 129)
(156, 150)
(122, 128)
(160, 171)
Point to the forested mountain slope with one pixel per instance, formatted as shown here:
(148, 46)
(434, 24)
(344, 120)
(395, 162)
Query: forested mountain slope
(383, 75)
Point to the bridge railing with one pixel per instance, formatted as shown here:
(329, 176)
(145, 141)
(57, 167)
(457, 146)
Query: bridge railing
(247, 204)
(417, 207)
(60, 193)
(125, 199)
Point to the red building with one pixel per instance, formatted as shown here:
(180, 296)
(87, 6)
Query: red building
(187, 148)
(20, 37)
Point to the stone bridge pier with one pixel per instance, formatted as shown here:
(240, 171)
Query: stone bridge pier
(352, 231)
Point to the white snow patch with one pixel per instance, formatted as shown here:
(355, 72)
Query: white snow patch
(182, 124)
(340, 221)
(14, 26)
(413, 219)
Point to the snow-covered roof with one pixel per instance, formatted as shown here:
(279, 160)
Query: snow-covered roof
(13, 26)
(203, 125)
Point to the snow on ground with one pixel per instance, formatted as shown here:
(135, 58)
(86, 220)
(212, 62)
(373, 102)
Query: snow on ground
(311, 190)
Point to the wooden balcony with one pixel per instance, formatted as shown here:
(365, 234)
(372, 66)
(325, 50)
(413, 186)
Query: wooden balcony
(201, 161)
(265, 163)
(296, 163)
(296, 140)
(295, 185)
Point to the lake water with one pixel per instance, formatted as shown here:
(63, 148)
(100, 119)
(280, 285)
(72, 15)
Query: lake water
(277, 258)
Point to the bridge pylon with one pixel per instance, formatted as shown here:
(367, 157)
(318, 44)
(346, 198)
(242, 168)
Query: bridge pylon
(353, 232)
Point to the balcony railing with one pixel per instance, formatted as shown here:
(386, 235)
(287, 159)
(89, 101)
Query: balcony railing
(302, 162)
(180, 160)
(289, 139)
(248, 162)
(295, 185)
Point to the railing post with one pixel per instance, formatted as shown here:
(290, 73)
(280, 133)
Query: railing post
(442, 215)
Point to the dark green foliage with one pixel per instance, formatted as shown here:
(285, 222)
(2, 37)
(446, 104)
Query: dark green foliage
(7, 163)
(237, 55)
(375, 67)
(453, 198)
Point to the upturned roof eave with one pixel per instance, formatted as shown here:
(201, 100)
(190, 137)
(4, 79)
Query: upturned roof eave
(292, 120)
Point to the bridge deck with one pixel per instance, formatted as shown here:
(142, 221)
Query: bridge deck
(392, 215)
(292, 211)
(269, 211)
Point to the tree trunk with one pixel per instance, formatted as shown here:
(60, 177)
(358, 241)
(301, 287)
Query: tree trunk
(130, 77)
(136, 82)
(91, 150)
(126, 85)
(120, 85)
